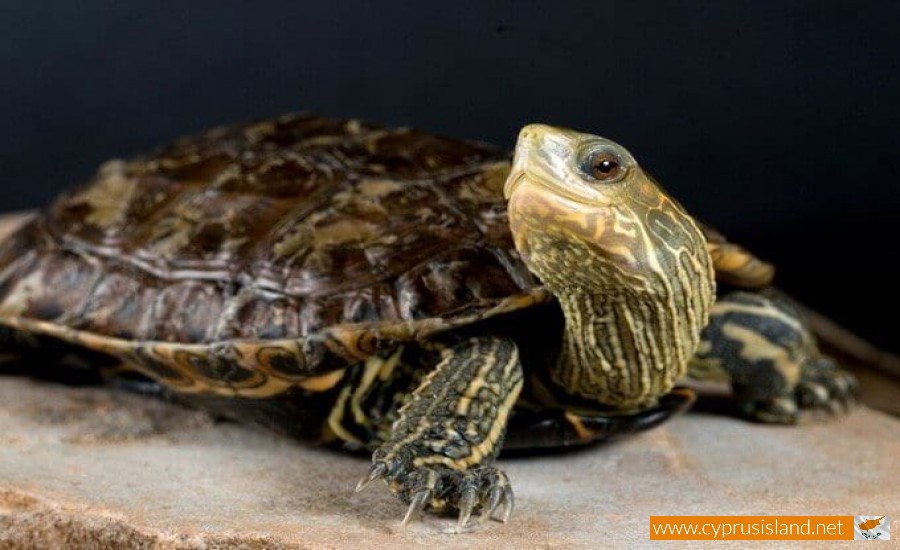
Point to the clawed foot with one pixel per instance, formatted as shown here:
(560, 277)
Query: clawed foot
(823, 387)
(481, 490)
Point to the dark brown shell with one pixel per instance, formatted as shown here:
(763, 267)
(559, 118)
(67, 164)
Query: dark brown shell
(296, 229)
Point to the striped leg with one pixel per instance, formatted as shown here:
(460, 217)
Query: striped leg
(765, 350)
(443, 446)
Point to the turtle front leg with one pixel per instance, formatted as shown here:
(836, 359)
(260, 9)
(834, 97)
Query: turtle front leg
(443, 446)
(765, 350)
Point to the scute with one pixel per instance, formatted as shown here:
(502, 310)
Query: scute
(296, 243)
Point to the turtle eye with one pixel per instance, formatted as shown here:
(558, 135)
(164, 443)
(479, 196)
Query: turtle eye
(603, 166)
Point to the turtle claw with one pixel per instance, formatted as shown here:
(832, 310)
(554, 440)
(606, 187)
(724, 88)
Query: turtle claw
(483, 489)
(812, 395)
(827, 387)
(847, 389)
(500, 494)
(509, 502)
(779, 410)
(417, 505)
(377, 470)
(493, 502)
(467, 503)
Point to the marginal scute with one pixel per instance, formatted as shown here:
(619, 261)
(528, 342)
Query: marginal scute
(282, 362)
(157, 369)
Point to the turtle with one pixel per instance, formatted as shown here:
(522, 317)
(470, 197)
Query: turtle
(425, 299)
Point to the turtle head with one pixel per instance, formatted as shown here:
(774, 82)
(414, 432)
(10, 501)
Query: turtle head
(581, 207)
(629, 266)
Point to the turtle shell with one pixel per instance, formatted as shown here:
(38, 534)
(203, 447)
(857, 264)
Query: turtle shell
(258, 257)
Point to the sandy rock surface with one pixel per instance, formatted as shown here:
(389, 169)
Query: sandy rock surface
(95, 467)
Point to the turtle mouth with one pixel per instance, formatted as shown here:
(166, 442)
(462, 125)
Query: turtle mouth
(518, 171)
(518, 178)
(512, 183)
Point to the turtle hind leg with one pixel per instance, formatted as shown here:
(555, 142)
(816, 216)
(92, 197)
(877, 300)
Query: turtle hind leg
(442, 448)
(560, 428)
(767, 353)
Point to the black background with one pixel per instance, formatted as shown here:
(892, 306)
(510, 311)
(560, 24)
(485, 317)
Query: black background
(775, 121)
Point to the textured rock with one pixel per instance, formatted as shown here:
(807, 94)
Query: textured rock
(91, 467)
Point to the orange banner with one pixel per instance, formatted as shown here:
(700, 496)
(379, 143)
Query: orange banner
(751, 527)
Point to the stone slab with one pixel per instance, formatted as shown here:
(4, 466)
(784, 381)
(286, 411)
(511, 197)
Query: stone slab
(94, 467)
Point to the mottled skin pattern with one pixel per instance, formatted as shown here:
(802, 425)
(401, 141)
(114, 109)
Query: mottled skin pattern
(414, 296)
